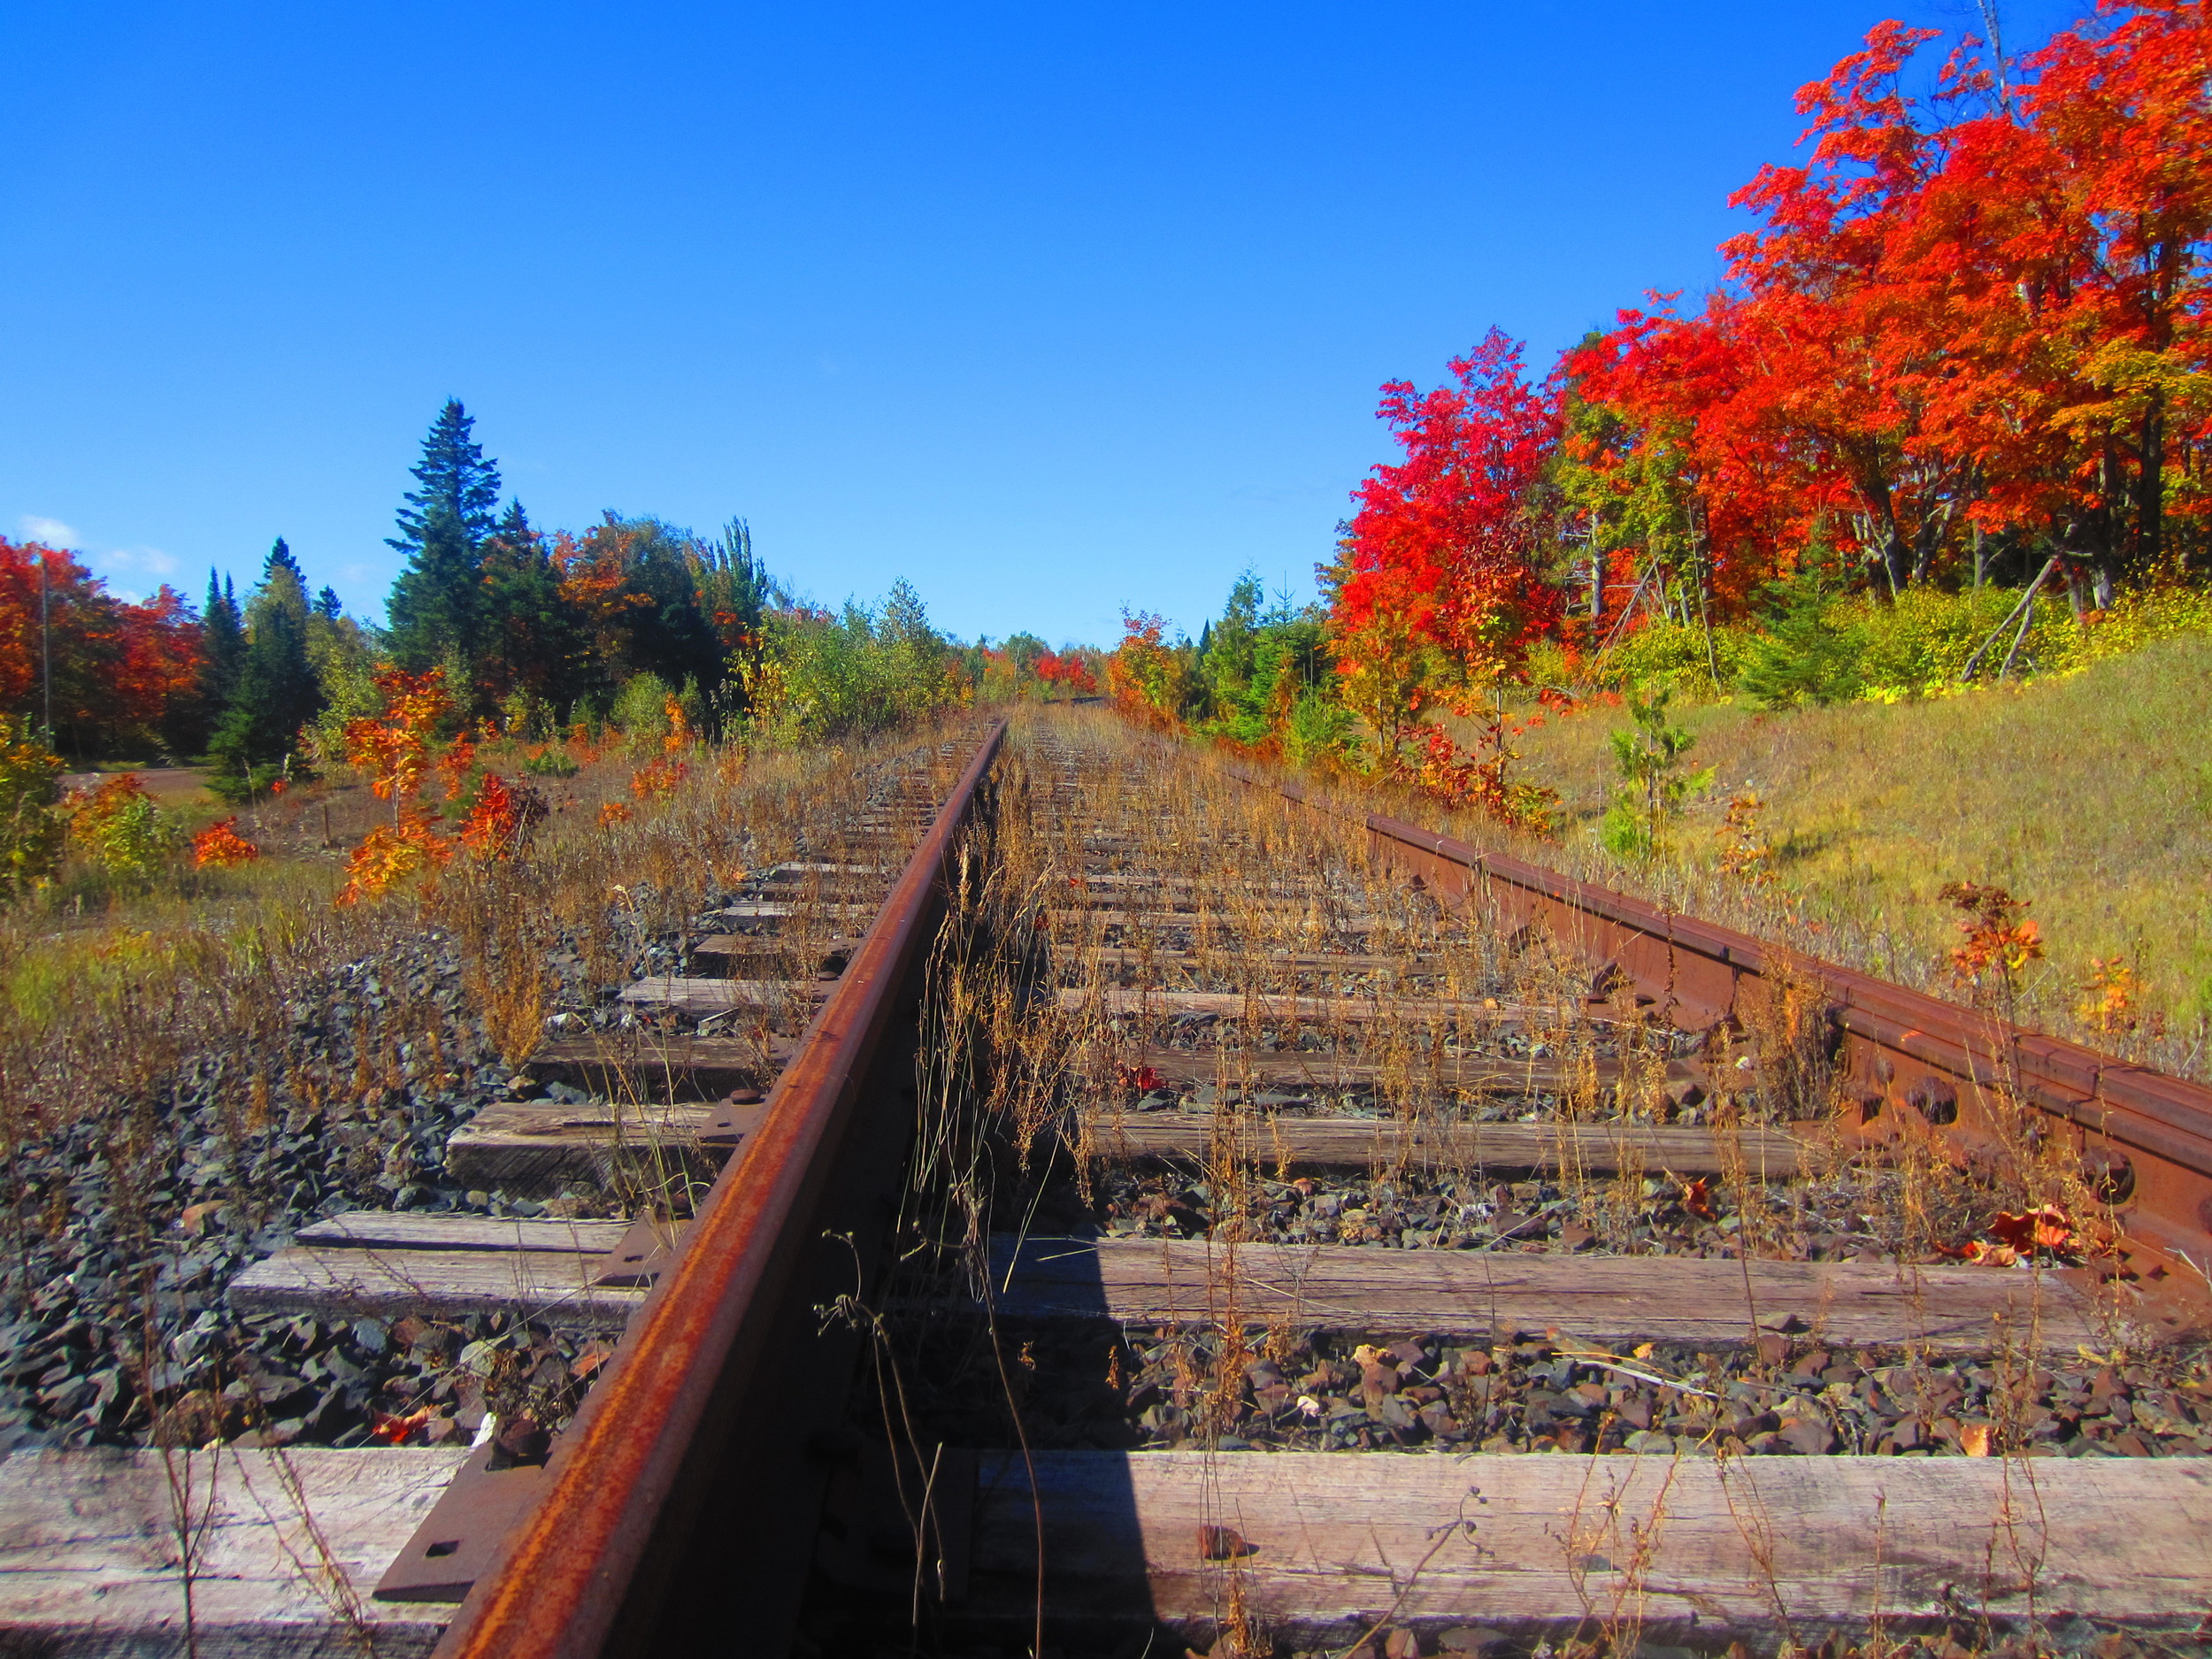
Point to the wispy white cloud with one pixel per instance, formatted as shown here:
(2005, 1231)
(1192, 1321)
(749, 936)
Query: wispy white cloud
(133, 571)
(52, 531)
(130, 573)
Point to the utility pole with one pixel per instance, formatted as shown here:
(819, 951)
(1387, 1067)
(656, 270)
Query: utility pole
(46, 645)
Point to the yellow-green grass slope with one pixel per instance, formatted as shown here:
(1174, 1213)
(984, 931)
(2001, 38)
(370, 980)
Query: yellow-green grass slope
(2090, 794)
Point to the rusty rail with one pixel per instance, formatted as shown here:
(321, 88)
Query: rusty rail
(2144, 1139)
(662, 1517)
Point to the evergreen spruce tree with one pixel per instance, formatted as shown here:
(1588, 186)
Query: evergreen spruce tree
(188, 717)
(222, 646)
(278, 691)
(280, 559)
(436, 610)
(1801, 656)
(435, 614)
(454, 479)
(327, 605)
(533, 637)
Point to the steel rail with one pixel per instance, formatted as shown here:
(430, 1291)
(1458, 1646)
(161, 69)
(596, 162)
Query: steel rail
(2144, 1138)
(578, 1577)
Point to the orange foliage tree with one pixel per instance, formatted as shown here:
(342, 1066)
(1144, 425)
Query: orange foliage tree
(396, 750)
(1974, 326)
(395, 855)
(125, 675)
(219, 846)
(501, 818)
(394, 747)
(1439, 587)
(1144, 676)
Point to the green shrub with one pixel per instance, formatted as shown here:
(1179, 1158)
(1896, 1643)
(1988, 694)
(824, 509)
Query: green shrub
(1319, 725)
(526, 715)
(2134, 621)
(831, 676)
(1549, 666)
(641, 707)
(30, 829)
(550, 763)
(1668, 656)
(1808, 652)
(121, 831)
(244, 788)
(1920, 642)
(1648, 756)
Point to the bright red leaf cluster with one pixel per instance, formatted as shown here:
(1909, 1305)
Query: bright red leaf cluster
(1970, 336)
(1449, 544)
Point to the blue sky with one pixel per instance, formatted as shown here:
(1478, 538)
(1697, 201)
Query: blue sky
(1052, 309)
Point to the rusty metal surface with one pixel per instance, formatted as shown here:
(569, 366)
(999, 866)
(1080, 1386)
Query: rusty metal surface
(571, 1574)
(458, 1539)
(1916, 1064)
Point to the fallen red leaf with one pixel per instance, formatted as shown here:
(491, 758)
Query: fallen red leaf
(2047, 1228)
(393, 1431)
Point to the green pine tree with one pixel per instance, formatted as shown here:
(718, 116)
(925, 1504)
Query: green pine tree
(278, 691)
(532, 638)
(436, 610)
(1800, 656)
(1648, 757)
(454, 479)
(280, 559)
(222, 648)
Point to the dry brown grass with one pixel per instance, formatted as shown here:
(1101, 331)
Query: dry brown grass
(1102, 831)
(172, 1039)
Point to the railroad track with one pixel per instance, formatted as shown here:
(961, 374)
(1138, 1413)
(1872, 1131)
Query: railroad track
(1110, 1201)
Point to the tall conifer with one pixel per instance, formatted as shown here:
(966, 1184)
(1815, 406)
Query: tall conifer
(436, 610)
(452, 478)
(222, 646)
(277, 691)
(532, 636)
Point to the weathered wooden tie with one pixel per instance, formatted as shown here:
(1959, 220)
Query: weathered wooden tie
(636, 1063)
(1322, 1548)
(714, 996)
(1352, 1142)
(1467, 1074)
(386, 1266)
(1616, 1301)
(288, 1546)
(1121, 1000)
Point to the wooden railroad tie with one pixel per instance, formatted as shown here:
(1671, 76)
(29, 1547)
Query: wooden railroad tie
(630, 1064)
(1300, 962)
(290, 1543)
(1356, 1143)
(1121, 1000)
(586, 1274)
(1320, 1547)
(1616, 1301)
(715, 996)
(1163, 918)
(537, 1147)
(1469, 1073)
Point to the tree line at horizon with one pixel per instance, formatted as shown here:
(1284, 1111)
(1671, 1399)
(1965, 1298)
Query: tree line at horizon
(1949, 411)
(533, 632)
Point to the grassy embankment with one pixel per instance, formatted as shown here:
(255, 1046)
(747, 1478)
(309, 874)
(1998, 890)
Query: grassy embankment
(100, 954)
(2090, 794)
